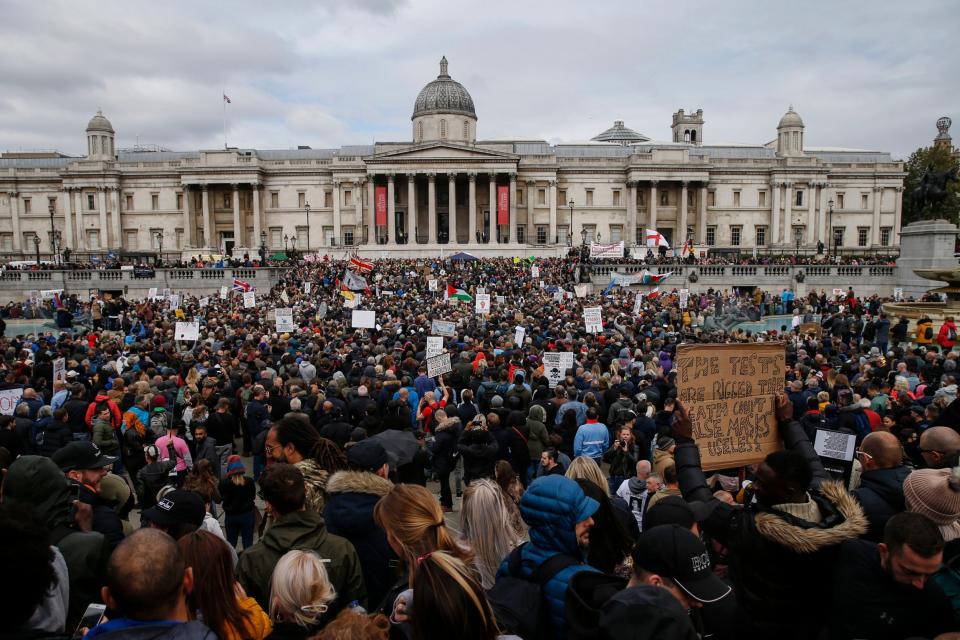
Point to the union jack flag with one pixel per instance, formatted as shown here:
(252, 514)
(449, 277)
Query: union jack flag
(241, 286)
(360, 265)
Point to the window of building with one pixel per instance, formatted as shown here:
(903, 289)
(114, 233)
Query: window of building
(179, 201)
(562, 198)
(640, 199)
(51, 204)
(520, 195)
(761, 198)
(466, 129)
(798, 198)
(838, 236)
(541, 234)
(301, 199)
(178, 238)
(711, 198)
(664, 197)
(736, 198)
(563, 234)
(301, 238)
(348, 236)
(276, 236)
(863, 236)
(227, 200)
(589, 197)
(761, 236)
(521, 233)
(90, 202)
(690, 197)
(541, 196)
(154, 201)
(711, 236)
(864, 201)
(274, 200)
(348, 197)
(27, 205)
(443, 129)
(885, 235)
(328, 199)
(735, 235)
(93, 238)
(154, 240)
(640, 236)
(616, 197)
(6, 242)
(616, 233)
(840, 200)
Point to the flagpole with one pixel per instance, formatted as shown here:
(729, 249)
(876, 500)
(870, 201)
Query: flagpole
(223, 99)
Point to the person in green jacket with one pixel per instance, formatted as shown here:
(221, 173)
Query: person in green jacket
(104, 436)
(294, 527)
(537, 437)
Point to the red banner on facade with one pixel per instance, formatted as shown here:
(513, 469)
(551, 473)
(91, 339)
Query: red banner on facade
(503, 204)
(381, 205)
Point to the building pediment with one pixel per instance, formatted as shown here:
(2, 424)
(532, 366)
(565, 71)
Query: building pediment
(433, 151)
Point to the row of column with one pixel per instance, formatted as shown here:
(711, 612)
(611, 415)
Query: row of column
(682, 217)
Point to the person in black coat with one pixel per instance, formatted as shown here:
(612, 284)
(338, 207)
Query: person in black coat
(445, 453)
(479, 450)
(881, 483)
(55, 435)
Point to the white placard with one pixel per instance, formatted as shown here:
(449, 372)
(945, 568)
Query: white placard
(483, 303)
(555, 366)
(439, 365)
(534, 272)
(204, 302)
(152, 293)
(363, 319)
(684, 297)
(581, 290)
(322, 310)
(432, 284)
(835, 444)
(592, 319)
(175, 301)
(434, 346)
(558, 295)
(249, 299)
(518, 335)
(481, 290)
(284, 319)
(614, 250)
(351, 304)
(60, 369)
(637, 304)
(187, 331)
(223, 293)
(898, 293)
(306, 287)
(8, 400)
(838, 292)
(47, 294)
(444, 328)
(284, 297)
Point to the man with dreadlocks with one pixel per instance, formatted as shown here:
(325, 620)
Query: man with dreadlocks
(297, 442)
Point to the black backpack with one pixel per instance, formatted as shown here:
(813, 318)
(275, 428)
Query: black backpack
(518, 603)
(587, 592)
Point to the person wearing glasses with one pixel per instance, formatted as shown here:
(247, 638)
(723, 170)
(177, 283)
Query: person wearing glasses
(881, 483)
(940, 447)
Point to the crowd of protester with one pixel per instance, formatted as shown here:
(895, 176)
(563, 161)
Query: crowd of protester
(316, 482)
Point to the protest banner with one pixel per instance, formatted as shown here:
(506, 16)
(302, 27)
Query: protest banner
(8, 400)
(581, 290)
(434, 346)
(558, 295)
(432, 284)
(534, 272)
(518, 336)
(307, 287)
(807, 328)
(555, 366)
(60, 369)
(444, 328)
(613, 250)
(47, 294)
(637, 304)
(249, 299)
(438, 365)
(284, 319)
(898, 293)
(186, 331)
(684, 297)
(174, 301)
(592, 319)
(204, 302)
(362, 319)
(483, 303)
(728, 391)
(223, 293)
(838, 293)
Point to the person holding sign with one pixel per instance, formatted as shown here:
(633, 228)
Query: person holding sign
(784, 541)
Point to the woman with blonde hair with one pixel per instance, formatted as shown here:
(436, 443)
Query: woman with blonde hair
(584, 468)
(490, 524)
(300, 593)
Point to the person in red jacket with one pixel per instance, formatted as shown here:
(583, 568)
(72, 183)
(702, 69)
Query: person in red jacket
(116, 417)
(948, 334)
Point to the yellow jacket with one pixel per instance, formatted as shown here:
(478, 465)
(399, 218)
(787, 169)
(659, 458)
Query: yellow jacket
(258, 625)
(922, 330)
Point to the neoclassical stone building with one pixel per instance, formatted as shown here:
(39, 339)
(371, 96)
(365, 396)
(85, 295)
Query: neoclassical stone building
(447, 190)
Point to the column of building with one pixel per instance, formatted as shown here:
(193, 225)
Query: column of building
(105, 242)
(631, 213)
(787, 238)
(822, 231)
(431, 208)
(81, 236)
(875, 230)
(553, 214)
(391, 212)
(357, 210)
(371, 211)
(237, 227)
(682, 227)
(775, 213)
(411, 207)
(493, 208)
(702, 217)
(66, 238)
(205, 212)
(15, 219)
(897, 215)
(652, 207)
(472, 204)
(811, 213)
(187, 222)
(452, 207)
(115, 205)
(257, 222)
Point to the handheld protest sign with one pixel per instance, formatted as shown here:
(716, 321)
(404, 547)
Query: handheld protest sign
(729, 392)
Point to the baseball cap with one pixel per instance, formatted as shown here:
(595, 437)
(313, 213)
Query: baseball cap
(674, 552)
(80, 455)
(177, 507)
(368, 455)
(676, 510)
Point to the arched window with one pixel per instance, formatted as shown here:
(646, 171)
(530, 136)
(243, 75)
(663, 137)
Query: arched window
(443, 129)
(686, 135)
(693, 136)
(466, 130)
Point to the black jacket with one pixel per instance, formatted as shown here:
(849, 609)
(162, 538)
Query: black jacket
(881, 496)
(479, 450)
(445, 445)
(778, 562)
(54, 436)
(150, 479)
(105, 519)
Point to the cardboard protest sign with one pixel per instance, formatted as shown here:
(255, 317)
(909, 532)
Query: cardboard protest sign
(434, 346)
(284, 297)
(362, 319)
(684, 297)
(204, 302)
(519, 334)
(307, 287)
(483, 303)
(729, 392)
(444, 328)
(592, 319)
(438, 365)
(534, 272)
(284, 319)
(187, 331)
(8, 401)
(637, 304)
(432, 284)
(581, 290)
(249, 299)
(60, 369)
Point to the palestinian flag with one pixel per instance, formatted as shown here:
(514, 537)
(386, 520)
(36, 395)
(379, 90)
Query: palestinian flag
(459, 294)
(653, 293)
(654, 278)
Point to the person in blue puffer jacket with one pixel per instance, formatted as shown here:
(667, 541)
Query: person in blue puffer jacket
(559, 517)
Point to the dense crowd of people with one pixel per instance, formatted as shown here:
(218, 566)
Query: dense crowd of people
(327, 480)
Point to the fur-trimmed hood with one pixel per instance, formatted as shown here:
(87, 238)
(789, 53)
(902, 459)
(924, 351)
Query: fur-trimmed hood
(846, 521)
(449, 423)
(358, 482)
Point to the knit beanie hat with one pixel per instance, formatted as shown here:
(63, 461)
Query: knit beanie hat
(935, 493)
(235, 466)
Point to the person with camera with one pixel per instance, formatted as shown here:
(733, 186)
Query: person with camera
(622, 458)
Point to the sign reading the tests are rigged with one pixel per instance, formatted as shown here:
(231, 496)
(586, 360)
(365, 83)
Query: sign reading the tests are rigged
(729, 392)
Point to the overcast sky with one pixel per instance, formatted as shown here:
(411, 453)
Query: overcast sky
(872, 75)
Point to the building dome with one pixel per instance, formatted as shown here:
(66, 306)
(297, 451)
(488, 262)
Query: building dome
(790, 119)
(99, 123)
(621, 135)
(444, 95)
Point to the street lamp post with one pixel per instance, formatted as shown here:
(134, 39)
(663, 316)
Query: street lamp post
(306, 208)
(53, 238)
(263, 248)
(830, 232)
(160, 244)
(286, 242)
(570, 229)
(36, 245)
(293, 245)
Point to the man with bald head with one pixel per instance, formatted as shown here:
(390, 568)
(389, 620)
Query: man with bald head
(148, 582)
(940, 447)
(881, 483)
